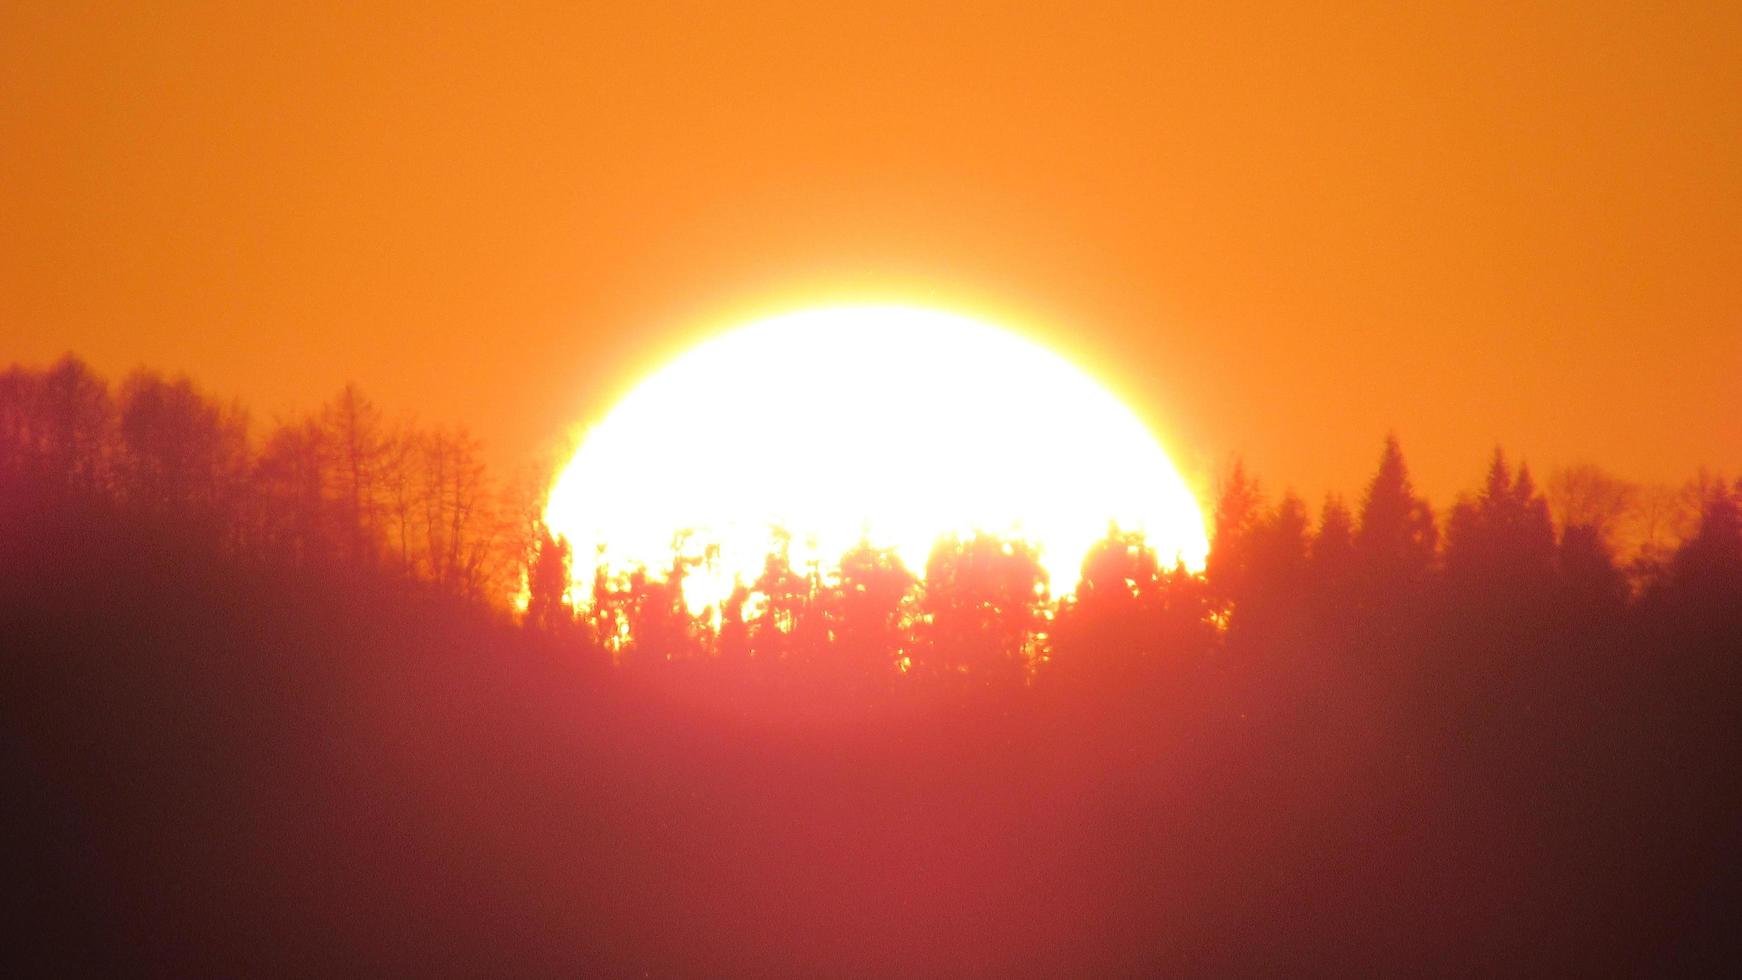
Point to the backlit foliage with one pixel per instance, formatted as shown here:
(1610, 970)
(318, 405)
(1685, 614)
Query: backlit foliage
(344, 486)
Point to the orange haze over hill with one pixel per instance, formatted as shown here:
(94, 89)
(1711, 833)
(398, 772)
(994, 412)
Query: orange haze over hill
(1277, 232)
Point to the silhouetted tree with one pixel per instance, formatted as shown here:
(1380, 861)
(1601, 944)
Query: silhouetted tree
(1117, 571)
(1661, 519)
(1584, 495)
(180, 454)
(1280, 546)
(1128, 613)
(357, 448)
(1594, 509)
(520, 516)
(158, 684)
(55, 426)
(1394, 544)
(18, 395)
(1111, 624)
(659, 625)
(780, 596)
(734, 640)
(1277, 570)
(548, 607)
(290, 516)
(1501, 539)
(77, 415)
(869, 614)
(1707, 568)
(1595, 588)
(1239, 509)
(459, 531)
(1334, 544)
(400, 455)
(607, 621)
(982, 607)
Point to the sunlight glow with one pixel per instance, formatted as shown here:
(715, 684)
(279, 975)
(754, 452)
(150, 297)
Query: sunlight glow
(890, 425)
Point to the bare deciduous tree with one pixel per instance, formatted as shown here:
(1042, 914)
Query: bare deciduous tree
(1586, 495)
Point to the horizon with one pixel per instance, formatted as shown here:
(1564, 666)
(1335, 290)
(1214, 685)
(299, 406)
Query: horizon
(1272, 236)
(771, 488)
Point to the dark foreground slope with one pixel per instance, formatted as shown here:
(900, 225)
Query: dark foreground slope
(213, 767)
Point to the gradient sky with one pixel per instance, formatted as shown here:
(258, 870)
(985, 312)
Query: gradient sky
(1275, 231)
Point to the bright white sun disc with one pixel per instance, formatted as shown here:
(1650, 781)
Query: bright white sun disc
(891, 425)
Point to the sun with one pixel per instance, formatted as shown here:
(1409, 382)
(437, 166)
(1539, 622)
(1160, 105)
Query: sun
(887, 425)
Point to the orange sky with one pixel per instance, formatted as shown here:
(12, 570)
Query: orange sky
(1277, 232)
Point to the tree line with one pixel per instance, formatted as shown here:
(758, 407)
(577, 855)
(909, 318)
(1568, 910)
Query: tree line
(1276, 578)
(269, 699)
(344, 486)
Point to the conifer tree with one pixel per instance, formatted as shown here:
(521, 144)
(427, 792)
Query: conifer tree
(1396, 538)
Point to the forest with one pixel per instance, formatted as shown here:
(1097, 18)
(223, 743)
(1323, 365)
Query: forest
(318, 696)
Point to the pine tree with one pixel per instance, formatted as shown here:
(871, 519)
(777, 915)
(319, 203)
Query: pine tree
(1501, 542)
(1396, 538)
(1239, 509)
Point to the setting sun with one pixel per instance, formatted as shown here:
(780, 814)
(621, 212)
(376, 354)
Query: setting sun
(888, 425)
(870, 489)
